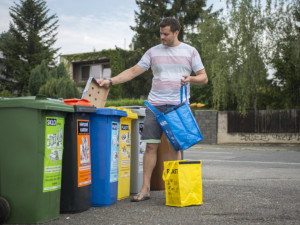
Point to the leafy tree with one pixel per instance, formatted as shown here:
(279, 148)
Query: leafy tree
(29, 41)
(60, 88)
(39, 76)
(151, 12)
(5, 93)
(211, 32)
(61, 71)
(284, 33)
(247, 74)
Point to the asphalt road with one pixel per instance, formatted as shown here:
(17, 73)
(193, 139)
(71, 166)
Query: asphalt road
(241, 185)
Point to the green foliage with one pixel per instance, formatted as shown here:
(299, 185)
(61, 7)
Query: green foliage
(29, 41)
(124, 102)
(39, 76)
(211, 32)
(120, 60)
(5, 93)
(151, 12)
(285, 57)
(60, 88)
(60, 72)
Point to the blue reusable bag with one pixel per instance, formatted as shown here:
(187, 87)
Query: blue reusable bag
(178, 123)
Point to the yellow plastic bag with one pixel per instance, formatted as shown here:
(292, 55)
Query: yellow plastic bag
(183, 183)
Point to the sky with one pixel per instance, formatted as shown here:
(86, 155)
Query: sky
(85, 26)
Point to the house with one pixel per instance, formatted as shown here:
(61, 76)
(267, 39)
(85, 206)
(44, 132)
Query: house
(85, 65)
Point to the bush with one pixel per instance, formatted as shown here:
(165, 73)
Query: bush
(125, 102)
(5, 93)
(60, 88)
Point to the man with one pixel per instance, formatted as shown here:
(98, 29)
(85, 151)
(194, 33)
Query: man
(172, 63)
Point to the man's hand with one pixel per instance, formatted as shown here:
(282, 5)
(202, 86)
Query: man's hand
(199, 79)
(185, 79)
(103, 83)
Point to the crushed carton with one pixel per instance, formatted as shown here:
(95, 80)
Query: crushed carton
(94, 93)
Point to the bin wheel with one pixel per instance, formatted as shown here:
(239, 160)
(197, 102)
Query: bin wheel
(4, 210)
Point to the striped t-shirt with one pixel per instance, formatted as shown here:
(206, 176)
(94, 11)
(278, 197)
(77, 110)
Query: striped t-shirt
(168, 65)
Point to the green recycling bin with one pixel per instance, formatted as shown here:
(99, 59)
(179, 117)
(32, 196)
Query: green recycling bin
(31, 137)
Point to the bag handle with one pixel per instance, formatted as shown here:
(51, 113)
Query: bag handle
(167, 177)
(151, 107)
(181, 92)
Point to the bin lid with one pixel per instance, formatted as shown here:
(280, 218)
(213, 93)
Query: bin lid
(84, 109)
(36, 102)
(76, 101)
(138, 109)
(111, 112)
(81, 105)
(130, 114)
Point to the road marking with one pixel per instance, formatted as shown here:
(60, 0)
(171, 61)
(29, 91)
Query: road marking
(216, 160)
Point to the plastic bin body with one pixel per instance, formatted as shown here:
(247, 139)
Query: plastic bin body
(105, 132)
(125, 153)
(137, 150)
(76, 193)
(31, 137)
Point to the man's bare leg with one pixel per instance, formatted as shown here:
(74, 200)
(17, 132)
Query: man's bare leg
(149, 162)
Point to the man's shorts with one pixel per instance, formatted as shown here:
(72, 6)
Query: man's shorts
(152, 131)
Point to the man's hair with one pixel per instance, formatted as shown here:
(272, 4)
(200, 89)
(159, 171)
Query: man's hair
(172, 22)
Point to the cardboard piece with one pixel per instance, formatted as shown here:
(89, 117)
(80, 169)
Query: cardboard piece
(94, 93)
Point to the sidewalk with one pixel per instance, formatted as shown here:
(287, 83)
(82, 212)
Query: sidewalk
(264, 147)
(241, 185)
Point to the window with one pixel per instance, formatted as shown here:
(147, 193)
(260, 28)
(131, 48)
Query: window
(85, 73)
(97, 71)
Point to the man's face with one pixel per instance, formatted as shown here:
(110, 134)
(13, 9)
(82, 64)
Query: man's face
(167, 36)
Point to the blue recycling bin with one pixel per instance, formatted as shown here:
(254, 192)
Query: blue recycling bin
(105, 133)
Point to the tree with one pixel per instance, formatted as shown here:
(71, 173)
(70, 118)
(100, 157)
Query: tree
(247, 74)
(61, 87)
(59, 84)
(152, 12)
(29, 41)
(284, 33)
(209, 41)
(38, 76)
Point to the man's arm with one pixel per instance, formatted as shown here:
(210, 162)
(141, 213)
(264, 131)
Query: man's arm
(123, 77)
(200, 78)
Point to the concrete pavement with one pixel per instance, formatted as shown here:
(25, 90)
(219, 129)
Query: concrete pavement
(241, 185)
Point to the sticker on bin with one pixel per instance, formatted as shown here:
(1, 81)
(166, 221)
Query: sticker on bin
(53, 153)
(114, 167)
(84, 153)
(142, 148)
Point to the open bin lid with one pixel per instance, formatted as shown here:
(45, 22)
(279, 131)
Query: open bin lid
(130, 114)
(76, 101)
(81, 105)
(36, 102)
(111, 112)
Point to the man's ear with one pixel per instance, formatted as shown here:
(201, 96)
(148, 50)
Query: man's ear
(176, 33)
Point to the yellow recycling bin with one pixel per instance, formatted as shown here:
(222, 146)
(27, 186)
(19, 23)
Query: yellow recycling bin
(125, 153)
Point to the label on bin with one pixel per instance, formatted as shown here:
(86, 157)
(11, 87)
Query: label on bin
(53, 153)
(83, 152)
(114, 167)
(142, 148)
(125, 142)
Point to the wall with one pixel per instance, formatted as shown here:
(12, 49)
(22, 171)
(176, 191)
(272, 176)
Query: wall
(207, 122)
(248, 138)
(213, 127)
